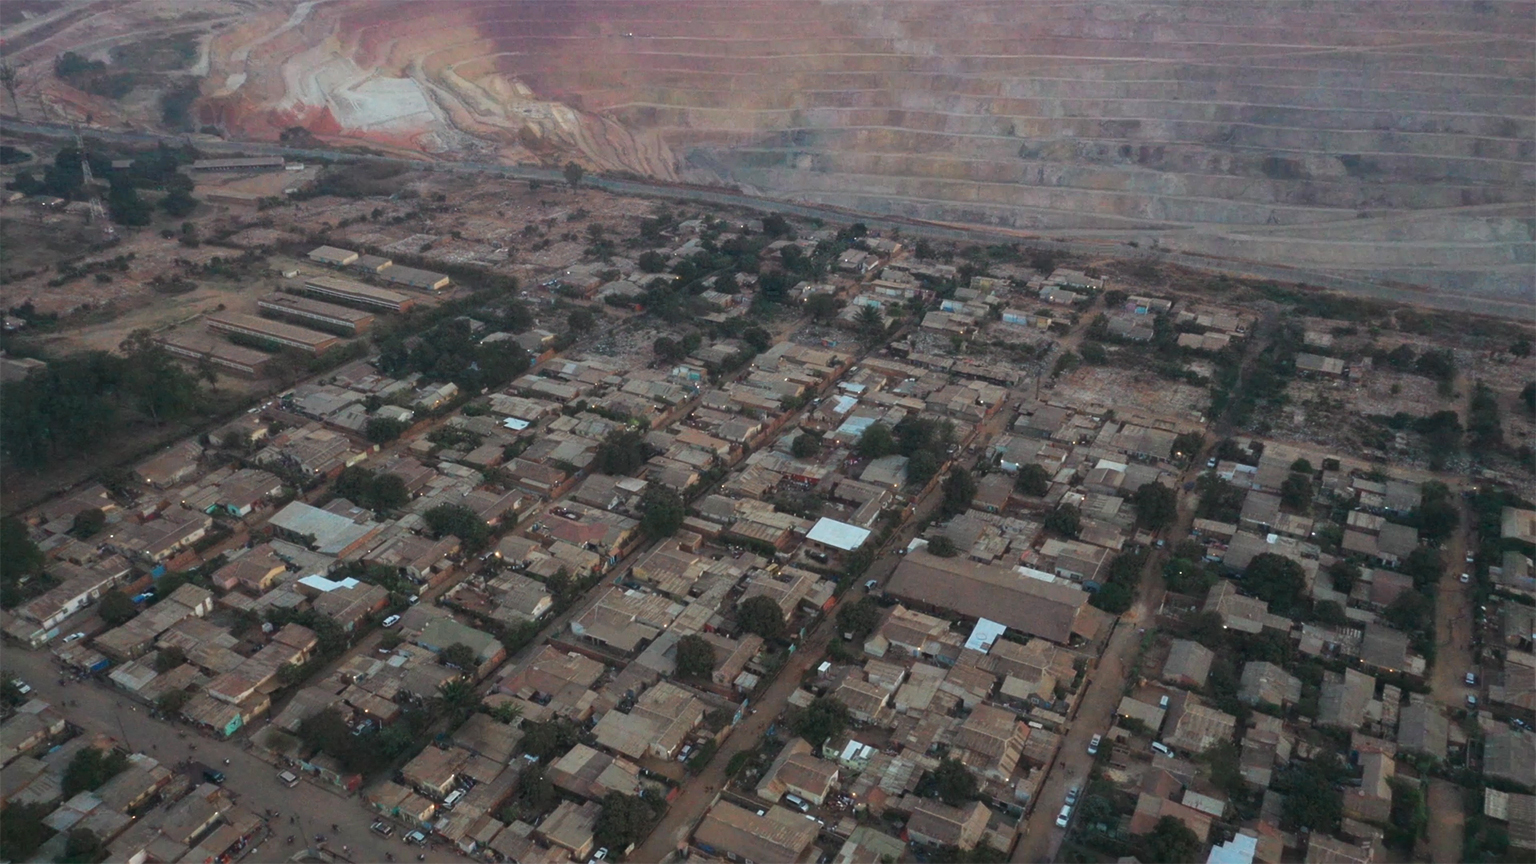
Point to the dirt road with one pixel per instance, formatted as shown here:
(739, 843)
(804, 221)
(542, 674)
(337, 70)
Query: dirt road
(1453, 660)
(251, 781)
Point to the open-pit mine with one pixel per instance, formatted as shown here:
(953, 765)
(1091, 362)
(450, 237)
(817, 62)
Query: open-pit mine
(1389, 141)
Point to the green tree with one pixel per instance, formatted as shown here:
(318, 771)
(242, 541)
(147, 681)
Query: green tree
(1116, 598)
(805, 446)
(1276, 580)
(652, 261)
(622, 452)
(388, 492)
(1172, 842)
(459, 656)
(1330, 612)
(1411, 611)
(459, 521)
(90, 768)
(876, 442)
(1186, 445)
(1033, 480)
(695, 658)
(943, 547)
(955, 783)
(1424, 567)
(859, 618)
(506, 712)
(1344, 575)
(1157, 506)
(921, 466)
(179, 203)
(959, 489)
(662, 512)
(456, 698)
(88, 523)
(1296, 493)
(382, 430)
(624, 821)
(870, 325)
(171, 702)
(825, 718)
(169, 658)
(761, 615)
(822, 307)
(83, 847)
(535, 795)
(581, 320)
(1312, 800)
(1301, 466)
(116, 608)
(22, 830)
(550, 739)
(1066, 520)
(22, 558)
(573, 174)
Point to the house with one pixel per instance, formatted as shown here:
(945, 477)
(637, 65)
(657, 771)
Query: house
(1371, 801)
(1188, 664)
(1422, 728)
(1510, 754)
(1344, 698)
(1194, 727)
(990, 741)
(570, 827)
(798, 771)
(591, 774)
(1517, 811)
(658, 723)
(937, 824)
(1264, 683)
(171, 467)
(779, 836)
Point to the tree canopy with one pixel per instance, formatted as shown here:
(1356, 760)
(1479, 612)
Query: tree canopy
(823, 719)
(662, 512)
(959, 489)
(1033, 480)
(761, 615)
(1157, 506)
(695, 657)
(1276, 580)
(116, 608)
(1172, 842)
(859, 618)
(1065, 520)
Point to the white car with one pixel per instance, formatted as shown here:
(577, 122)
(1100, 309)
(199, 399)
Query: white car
(1093, 746)
(1465, 578)
(1471, 679)
(1064, 815)
(391, 620)
(73, 637)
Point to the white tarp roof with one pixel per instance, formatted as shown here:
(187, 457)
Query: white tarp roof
(838, 535)
(984, 634)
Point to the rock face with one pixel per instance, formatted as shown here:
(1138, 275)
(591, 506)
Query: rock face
(1382, 140)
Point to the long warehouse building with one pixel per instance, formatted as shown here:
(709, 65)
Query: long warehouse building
(231, 358)
(351, 291)
(306, 311)
(273, 332)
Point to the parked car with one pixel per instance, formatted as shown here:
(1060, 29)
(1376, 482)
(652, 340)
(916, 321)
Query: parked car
(1465, 578)
(288, 778)
(870, 585)
(415, 838)
(22, 687)
(73, 637)
(1064, 816)
(383, 829)
(1093, 746)
(1471, 679)
(391, 620)
(1072, 794)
